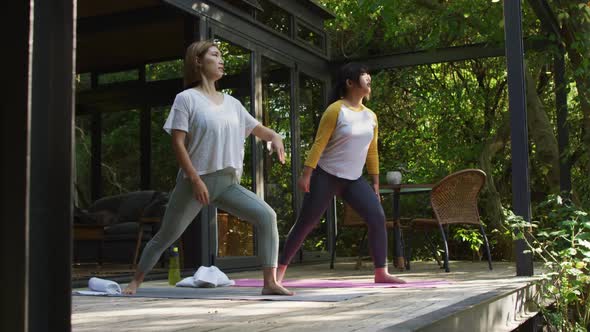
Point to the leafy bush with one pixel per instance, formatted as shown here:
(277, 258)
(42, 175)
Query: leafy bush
(561, 240)
(470, 236)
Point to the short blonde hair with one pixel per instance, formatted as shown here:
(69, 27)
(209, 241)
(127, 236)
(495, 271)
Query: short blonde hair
(192, 72)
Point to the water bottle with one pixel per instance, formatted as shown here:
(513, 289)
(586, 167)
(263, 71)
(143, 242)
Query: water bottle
(174, 267)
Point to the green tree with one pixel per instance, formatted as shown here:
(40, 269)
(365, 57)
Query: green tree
(458, 111)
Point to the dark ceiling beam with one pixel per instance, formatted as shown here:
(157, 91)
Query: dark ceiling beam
(440, 55)
(318, 8)
(225, 17)
(254, 4)
(135, 94)
(118, 21)
(128, 95)
(546, 16)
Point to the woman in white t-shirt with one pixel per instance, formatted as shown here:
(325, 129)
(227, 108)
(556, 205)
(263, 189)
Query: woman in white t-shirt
(208, 131)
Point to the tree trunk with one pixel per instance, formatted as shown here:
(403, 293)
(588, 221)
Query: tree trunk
(575, 33)
(542, 134)
(490, 197)
(546, 152)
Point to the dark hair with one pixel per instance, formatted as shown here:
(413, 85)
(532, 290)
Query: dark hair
(350, 71)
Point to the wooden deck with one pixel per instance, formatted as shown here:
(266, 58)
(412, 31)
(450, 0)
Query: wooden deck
(475, 300)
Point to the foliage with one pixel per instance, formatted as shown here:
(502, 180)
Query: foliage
(120, 152)
(427, 118)
(120, 76)
(164, 164)
(439, 118)
(385, 26)
(82, 162)
(472, 237)
(574, 21)
(164, 70)
(236, 60)
(562, 242)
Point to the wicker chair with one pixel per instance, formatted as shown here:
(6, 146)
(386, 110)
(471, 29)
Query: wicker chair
(454, 201)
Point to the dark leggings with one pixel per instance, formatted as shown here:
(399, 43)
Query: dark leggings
(358, 194)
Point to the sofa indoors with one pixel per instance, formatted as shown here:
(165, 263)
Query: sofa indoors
(119, 215)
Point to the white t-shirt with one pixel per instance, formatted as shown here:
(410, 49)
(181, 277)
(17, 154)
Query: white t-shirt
(215, 133)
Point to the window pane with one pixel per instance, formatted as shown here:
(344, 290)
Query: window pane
(310, 36)
(83, 82)
(236, 82)
(120, 76)
(311, 108)
(274, 17)
(276, 105)
(236, 237)
(120, 152)
(243, 6)
(164, 165)
(83, 159)
(164, 70)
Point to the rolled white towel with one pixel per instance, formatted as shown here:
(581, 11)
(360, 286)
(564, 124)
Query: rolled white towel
(103, 285)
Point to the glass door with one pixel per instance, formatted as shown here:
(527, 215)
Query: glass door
(311, 107)
(235, 239)
(276, 107)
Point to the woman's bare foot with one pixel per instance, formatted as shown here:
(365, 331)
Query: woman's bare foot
(276, 289)
(383, 276)
(134, 284)
(389, 279)
(271, 285)
(131, 289)
(281, 273)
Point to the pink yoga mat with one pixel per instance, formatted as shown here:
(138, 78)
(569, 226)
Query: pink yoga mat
(327, 283)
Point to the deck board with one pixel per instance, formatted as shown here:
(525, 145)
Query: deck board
(391, 309)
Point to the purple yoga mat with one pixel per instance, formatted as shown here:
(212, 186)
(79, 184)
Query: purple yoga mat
(327, 283)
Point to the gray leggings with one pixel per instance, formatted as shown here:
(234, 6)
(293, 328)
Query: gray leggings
(224, 193)
(358, 194)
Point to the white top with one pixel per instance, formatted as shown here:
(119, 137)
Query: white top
(215, 133)
(346, 152)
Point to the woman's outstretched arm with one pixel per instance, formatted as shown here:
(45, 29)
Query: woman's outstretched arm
(276, 141)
